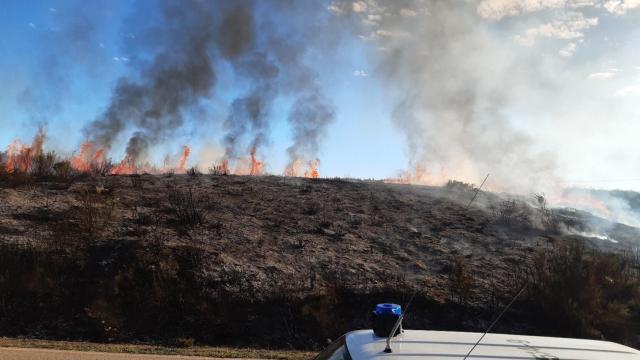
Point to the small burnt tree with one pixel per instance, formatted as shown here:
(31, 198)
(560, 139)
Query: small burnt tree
(190, 210)
(461, 280)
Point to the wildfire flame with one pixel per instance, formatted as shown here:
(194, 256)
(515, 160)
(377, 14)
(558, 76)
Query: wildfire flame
(126, 167)
(87, 158)
(256, 165)
(20, 156)
(420, 176)
(182, 163)
(294, 169)
(312, 170)
(90, 157)
(221, 168)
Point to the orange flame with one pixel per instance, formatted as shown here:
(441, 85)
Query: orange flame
(242, 166)
(186, 151)
(256, 165)
(420, 176)
(126, 167)
(221, 168)
(87, 158)
(293, 169)
(20, 156)
(312, 170)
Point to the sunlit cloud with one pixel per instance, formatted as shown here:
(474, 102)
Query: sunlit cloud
(360, 73)
(497, 9)
(620, 7)
(601, 75)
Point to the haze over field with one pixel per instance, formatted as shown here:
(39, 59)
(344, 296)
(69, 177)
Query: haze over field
(262, 173)
(540, 94)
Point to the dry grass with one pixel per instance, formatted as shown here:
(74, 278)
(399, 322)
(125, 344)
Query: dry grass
(209, 351)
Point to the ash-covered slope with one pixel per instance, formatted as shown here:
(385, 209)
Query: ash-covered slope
(281, 261)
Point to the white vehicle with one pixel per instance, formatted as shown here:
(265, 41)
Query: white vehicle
(421, 344)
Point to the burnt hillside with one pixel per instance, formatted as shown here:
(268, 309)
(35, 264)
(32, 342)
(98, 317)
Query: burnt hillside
(276, 261)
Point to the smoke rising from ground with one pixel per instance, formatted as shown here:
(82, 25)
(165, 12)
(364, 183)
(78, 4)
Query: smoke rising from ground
(177, 76)
(309, 118)
(195, 38)
(453, 78)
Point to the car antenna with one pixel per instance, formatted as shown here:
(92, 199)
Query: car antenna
(477, 191)
(496, 320)
(397, 324)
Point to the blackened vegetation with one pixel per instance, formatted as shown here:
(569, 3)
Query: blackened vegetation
(95, 212)
(278, 262)
(585, 292)
(127, 291)
(189, 209)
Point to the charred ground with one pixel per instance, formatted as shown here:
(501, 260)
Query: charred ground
(289, 262)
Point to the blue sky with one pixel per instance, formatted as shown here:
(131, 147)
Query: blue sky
(574, 96)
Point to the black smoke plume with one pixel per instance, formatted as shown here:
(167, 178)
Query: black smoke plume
(192, 38)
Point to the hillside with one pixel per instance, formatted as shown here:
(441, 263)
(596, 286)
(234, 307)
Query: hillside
(275, 261)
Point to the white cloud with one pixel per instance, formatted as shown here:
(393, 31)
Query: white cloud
(385, 34)
(629, 90)
(605, 75)
(620, 7)
(372, 19)
(359, 6)
(360, 73)
(498, 9)
(407, 12)
(571, 27)
(568, 50)
(335, 9)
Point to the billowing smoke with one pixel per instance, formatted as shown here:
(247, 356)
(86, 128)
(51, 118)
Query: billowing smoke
(275, 66)
(194, 38)
(249, 114)
(452, 76)
(309, 118)
(179, 74)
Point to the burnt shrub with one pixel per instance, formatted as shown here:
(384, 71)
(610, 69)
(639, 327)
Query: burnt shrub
(63, 170)
(193, 172)
(95, 212)
(575, 291)
(16, 179)
(548, 218)
(456, 185)
(512, 213)
(101, 168)
(461, 279)
(42, 166)
(219, 169)
(190, 210)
